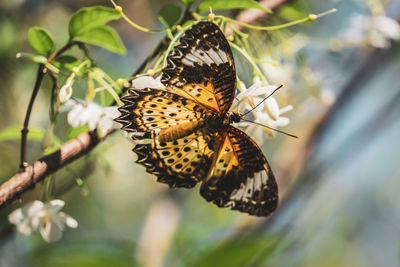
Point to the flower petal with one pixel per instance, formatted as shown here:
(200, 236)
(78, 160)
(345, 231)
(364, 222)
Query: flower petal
(66, 91)
(55, 205)
(105, 124)
(68, 220)
(32, 208)
(26, 228)
(111, 112)
(285, 109)
(272, 107)
(282, 121)
(73, 117)
(16, 216)
(80, 115)
(146, 82)
(51, 231)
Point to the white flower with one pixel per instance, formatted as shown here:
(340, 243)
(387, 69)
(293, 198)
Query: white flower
(45, 217)
(66, 90)
(268, 113)
(106, 121)
(376, 31)
(93, 115)
(147, 82)
(80, 115)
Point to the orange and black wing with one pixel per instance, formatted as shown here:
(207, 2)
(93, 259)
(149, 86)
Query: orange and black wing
(240, 176)
(180, 162)
(201, 67)
(147, 110)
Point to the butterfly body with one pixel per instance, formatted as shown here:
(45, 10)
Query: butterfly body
(184, 131)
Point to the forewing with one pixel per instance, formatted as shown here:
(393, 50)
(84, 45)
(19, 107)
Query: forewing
(146, 110)
(201, 67)
(240, 176)
(179, 163)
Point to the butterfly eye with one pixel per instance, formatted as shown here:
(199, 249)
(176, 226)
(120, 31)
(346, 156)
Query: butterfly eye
(235, 116)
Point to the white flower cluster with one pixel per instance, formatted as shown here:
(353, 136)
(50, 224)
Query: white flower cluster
(92, 114)
(45, 217)
(268, 113)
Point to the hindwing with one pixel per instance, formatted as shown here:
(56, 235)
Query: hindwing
(240, 176)
(179, 163)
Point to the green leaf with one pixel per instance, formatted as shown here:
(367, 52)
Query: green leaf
(105, 37)
(14, 133)
(41, 40)
(291, 12)
(230, 4)
(188, 2)
(66, 62)
(88, 18)
(170, 15)
(74, 132)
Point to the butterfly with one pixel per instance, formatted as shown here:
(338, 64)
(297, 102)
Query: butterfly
(184, 132)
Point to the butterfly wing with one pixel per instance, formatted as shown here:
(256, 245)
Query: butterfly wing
(146, 110)
(240, 176)
(179, 163)
(201, 67)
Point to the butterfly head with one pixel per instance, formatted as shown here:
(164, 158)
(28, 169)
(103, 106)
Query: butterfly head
(235, 116)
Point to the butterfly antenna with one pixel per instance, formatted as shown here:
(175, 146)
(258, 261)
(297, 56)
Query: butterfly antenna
(262, 100)
(279, 131)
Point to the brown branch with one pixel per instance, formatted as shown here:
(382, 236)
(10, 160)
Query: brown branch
(33, 174)
(75, 148)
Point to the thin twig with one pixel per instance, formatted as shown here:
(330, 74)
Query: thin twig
(61, 50)
(25, 130)
(39, 77)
